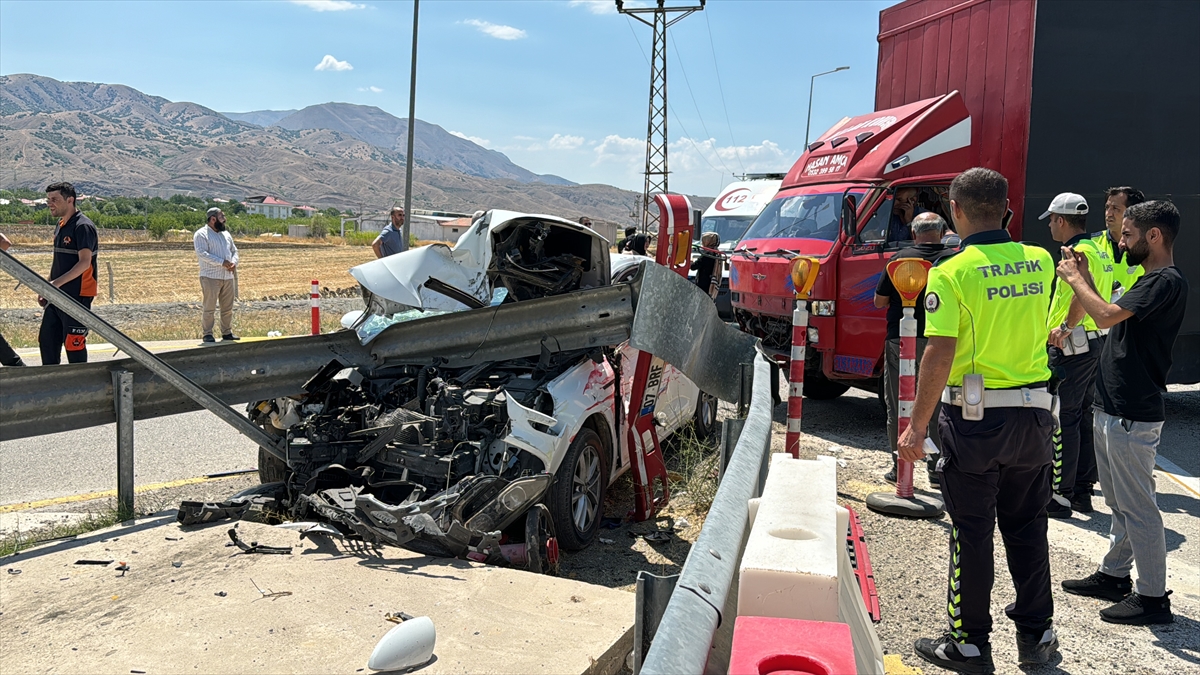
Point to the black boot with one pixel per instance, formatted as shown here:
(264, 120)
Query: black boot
(1140, 610)
(1081, 499)
(1036, 648)
(891, 475)
(1100, 585)
(959, 657)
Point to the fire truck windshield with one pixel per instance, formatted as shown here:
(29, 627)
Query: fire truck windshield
(799, 217)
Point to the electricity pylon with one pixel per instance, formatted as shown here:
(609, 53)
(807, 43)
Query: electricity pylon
(656, 124)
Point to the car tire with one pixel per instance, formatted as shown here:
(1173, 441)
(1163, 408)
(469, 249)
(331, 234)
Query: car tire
(576, 498)
(705, 419)
(820, 388)
(271, 469)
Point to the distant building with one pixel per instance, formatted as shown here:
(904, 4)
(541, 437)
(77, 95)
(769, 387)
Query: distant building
(309, 211)
(266, 205)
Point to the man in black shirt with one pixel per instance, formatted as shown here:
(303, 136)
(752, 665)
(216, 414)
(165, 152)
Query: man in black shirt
(1129, 411)
(633, 242)
(73, 271)
(927, 230)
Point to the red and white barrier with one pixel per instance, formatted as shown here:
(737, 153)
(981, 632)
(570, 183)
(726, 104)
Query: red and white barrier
(315, 299)
(796, 378)
(908, 394)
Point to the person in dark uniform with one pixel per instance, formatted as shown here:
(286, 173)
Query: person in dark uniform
(73, 271)
(985, 319)
(927, 230)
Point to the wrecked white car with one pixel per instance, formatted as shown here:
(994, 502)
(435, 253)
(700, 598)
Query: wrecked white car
(500, 462)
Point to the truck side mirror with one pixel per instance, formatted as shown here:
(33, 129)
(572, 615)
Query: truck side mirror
(850, 218)
(696, 219)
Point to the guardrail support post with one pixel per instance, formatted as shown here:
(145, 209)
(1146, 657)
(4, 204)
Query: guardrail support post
(123, 402)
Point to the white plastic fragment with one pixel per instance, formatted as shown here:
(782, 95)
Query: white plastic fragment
(408, 645)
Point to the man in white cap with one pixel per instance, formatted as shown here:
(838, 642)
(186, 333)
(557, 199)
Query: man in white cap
(1074, 349)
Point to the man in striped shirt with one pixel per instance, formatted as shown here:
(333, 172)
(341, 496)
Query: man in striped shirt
(218, 257)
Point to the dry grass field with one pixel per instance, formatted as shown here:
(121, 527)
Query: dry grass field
(152, 276)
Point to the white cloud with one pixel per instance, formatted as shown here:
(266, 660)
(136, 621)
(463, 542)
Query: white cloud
(596, 6)
(497, 31)
(372, 89)
(328, 5)
(474, 139)
(561, 142)
(330, 63)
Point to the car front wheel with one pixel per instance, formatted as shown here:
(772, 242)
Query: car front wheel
(576, 499)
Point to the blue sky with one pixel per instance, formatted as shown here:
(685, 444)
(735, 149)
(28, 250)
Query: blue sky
(559, 86)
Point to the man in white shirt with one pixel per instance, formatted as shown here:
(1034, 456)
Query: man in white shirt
(218, 273)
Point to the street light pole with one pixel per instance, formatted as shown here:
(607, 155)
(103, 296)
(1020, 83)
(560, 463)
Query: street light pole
(412, 111)
(811, 82)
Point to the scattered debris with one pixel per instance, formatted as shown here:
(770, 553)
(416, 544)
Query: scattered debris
(94, 562)
(255, 547)
(174, 538)
(122, 567)
(607, 541)
(835, 449)
(397, 617)
(610, 523)
(12, 570)
(268, 593)
(655, 537)
(220, 594)
(177, 564)
(682, 524)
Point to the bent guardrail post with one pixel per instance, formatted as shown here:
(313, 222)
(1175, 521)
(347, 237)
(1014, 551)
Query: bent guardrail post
(139, 353)
(684, 637)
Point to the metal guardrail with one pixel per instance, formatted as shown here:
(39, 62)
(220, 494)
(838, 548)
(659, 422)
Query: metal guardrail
(684, 636)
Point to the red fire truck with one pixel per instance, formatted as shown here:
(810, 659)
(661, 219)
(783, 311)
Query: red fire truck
(960, 85)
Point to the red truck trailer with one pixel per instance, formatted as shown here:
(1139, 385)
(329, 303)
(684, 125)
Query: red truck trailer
(1057, 96)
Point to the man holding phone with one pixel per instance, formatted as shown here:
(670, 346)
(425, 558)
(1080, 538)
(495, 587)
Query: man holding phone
(1129, 414)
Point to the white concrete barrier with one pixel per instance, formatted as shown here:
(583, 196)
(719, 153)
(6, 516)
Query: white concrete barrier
(790, 567)
(796, 565)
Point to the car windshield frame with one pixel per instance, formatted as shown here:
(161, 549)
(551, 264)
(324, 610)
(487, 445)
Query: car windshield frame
(822, 209)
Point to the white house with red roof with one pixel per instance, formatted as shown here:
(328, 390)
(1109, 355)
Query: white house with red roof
(269, 206)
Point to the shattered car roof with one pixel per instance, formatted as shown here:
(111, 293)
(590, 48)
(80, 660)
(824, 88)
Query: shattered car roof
(402, 281)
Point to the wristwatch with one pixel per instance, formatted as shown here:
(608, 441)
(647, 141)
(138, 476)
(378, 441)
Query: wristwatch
(1066, 327)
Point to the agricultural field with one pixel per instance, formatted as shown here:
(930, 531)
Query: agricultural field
(172, 274)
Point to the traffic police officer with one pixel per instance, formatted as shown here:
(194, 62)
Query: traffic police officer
(1124, 274)
(1074, 352)
(985, 318)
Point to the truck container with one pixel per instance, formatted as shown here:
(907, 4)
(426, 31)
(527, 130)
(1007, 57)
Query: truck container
(1057, 96)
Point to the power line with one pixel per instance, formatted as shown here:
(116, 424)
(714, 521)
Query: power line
(679, 58)
(675, 114)
(721, 89)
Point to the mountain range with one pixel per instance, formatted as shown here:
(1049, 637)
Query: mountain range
(114, 139)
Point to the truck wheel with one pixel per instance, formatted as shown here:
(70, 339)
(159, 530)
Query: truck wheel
(820, 388)
(705, 421)
(576, 499)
